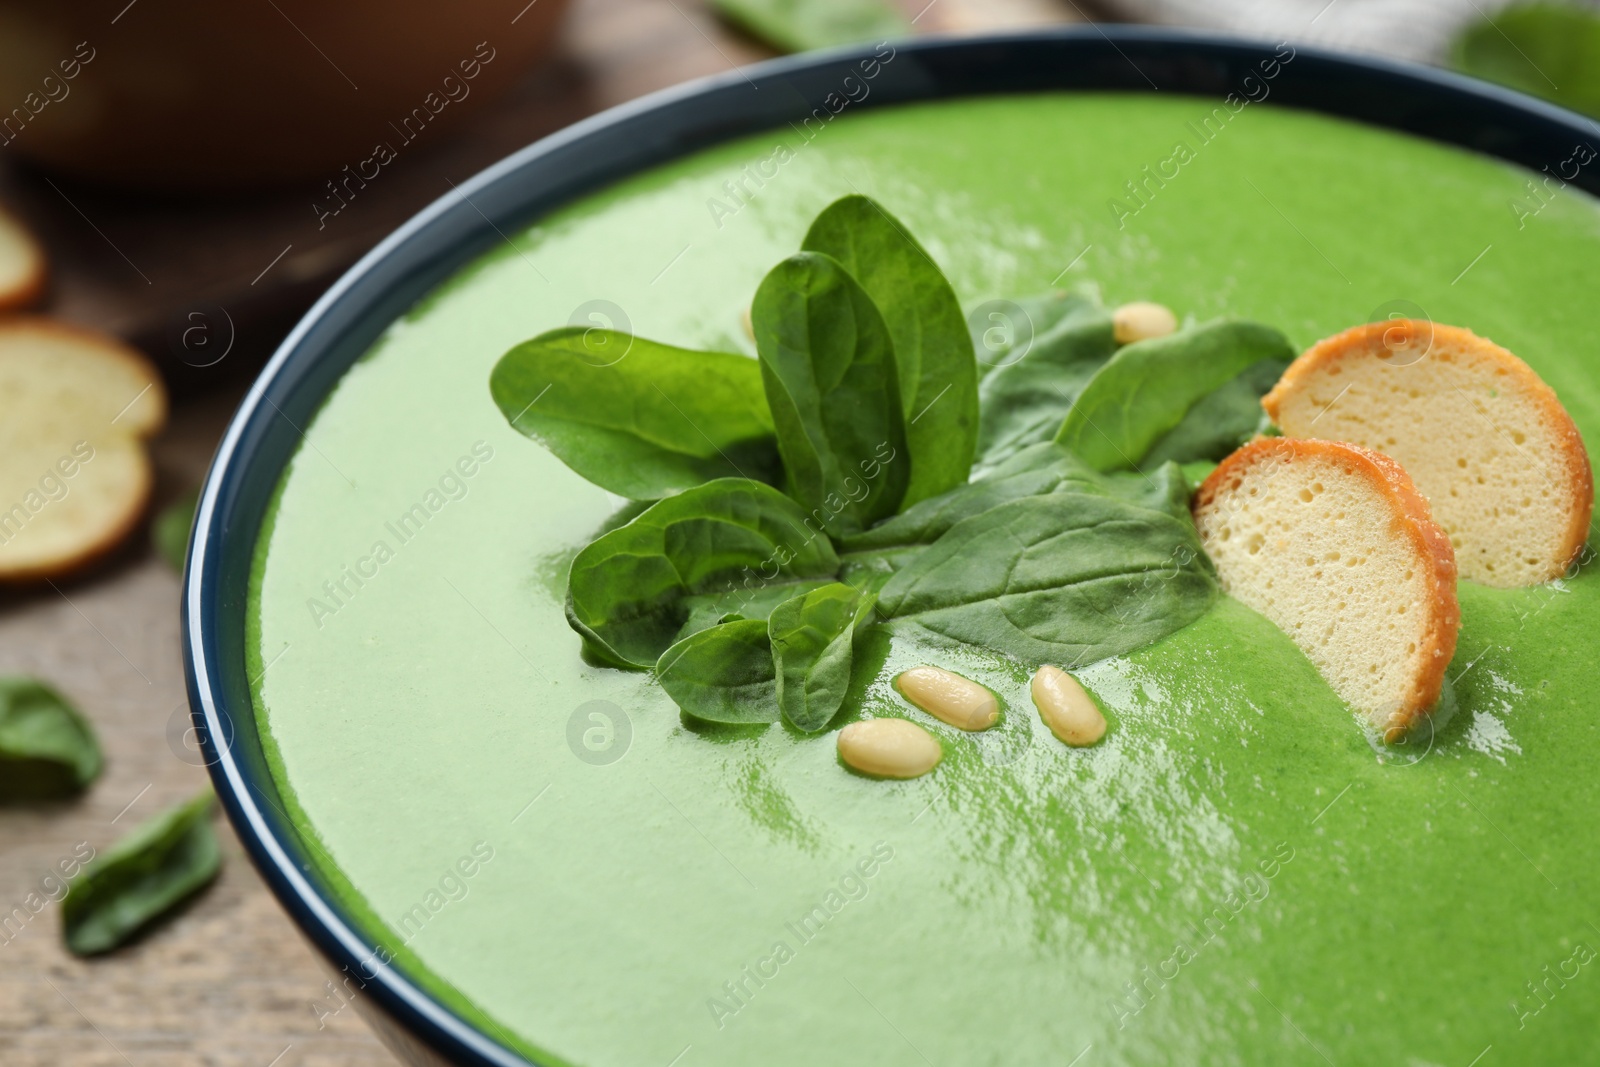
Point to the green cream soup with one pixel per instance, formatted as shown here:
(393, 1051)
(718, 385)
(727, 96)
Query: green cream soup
(1234, 875)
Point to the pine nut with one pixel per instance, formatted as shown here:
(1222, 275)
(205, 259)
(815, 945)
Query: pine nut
(1066, 708)
(889, 748)
(950, 698)
(1140, 321)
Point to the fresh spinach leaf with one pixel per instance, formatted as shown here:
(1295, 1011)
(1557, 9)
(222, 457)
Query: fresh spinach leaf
(170, 529)
(829, 369)
(709, 609)
(1166, 489)
(1144, 391)
(1064, 578)
(933, 354)
(1039, 354)
(641, 419)
(1004, 331)
(627, 590)
(141, 878)
(923, 523)
(1035, 470)
(803, 25)
(1222, 420)
(723, 674)
(1548, 50)
(868, 569)
(813, 638)
(47, 749)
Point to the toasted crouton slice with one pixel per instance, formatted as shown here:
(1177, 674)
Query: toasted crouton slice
(22, 265)
(53, 372)
(1334, 544)
(75, 409)
(1486, 440)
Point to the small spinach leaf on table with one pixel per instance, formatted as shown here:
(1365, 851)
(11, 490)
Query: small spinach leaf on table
(1220, 421)
(627, 590)
(170, 529)
(641, 419)
(723, 674)
(803, 25)
(813, 638)
(829, 369)
(1065, 578)
(1145, 390)
(141, 878)
(1037, 365)
(47, 749)
(934, 363)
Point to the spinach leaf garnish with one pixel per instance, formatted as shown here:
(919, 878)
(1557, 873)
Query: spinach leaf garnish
(1035, 470)
(141, 878)
(627, 590)
(802, 25)
(1014, 482)
(709, 609)
(723, 674)
(813, 638)
(1064, 578)
(47, 749)
(1036, 361)
(933, 353)
(867, 569)
(641, 419)
(829, 368)
(1221, 421)
(1145, 390)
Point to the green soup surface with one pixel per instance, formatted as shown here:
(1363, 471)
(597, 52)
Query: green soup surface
(1234, 875)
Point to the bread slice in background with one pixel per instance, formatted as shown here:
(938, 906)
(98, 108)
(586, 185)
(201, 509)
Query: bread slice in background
(53, 372)
(1334, 544)
(75, 410)
(1485, 440)
(22, 265)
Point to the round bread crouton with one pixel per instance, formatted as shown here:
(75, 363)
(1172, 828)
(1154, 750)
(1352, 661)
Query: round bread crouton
(1334, 544)
(75, 410)
(1485, 440)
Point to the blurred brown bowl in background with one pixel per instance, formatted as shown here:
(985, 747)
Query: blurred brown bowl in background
(182, 95)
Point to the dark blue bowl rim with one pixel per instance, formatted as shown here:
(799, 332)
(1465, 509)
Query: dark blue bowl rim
(612, 145)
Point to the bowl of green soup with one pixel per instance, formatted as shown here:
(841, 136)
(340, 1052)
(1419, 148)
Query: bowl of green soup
(545, 569)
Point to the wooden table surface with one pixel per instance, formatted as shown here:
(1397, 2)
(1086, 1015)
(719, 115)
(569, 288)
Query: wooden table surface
(229, 981)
